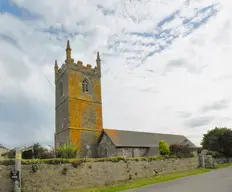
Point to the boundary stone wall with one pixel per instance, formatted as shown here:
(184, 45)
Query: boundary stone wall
(59, 177)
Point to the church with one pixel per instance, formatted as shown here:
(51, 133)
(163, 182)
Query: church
(78, 114)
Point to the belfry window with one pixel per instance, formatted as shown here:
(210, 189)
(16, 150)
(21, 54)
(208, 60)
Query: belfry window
(85, 86)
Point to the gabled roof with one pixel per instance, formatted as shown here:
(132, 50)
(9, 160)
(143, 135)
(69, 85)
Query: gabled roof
(123, 138)
(3, 147)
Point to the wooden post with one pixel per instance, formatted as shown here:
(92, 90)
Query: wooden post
(17, 182)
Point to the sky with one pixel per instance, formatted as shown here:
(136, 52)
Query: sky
(166, 64)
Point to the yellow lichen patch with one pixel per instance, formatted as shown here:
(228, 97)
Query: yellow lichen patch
(98, 135)
(86, 97)
(97, 89)
(77, 83)
(83, 109)
(79, 112)
(72, 112)
(75, 137)
(99, 117)
(113, 134)
(71, 84)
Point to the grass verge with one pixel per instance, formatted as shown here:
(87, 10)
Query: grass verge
(141, 182)
(133, 184)
(219, 166)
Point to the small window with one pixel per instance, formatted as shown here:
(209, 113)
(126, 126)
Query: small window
(61, 89)
(85, 86)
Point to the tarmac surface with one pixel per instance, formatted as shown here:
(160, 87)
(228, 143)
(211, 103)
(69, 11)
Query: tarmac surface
(219, 180)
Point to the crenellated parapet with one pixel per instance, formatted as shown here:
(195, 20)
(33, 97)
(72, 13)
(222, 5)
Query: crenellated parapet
(78, 66)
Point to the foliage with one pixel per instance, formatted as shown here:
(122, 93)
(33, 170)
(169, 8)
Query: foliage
(164, 148)
(11, 154)
(7, 162)
(67, 151)
(199, 149)
(38, 152)
(181, 151)
(226, 143)
(64, 170)
(215, 154)
(53, 161)
(219, 140)
(35, 167)
(77, 162)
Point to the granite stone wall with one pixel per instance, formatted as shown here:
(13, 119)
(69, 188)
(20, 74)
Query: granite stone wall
(53, 177)
(6, 184)
(223, 160)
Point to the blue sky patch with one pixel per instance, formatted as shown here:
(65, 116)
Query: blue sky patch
(162, 37)
(7, 6)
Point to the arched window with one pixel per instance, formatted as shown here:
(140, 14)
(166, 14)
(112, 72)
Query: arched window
(85, 86)
(61, 89)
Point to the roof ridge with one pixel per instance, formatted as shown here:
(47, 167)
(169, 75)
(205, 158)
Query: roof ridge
(144, 132)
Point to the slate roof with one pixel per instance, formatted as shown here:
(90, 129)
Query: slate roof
(1, 146)
(123, 138)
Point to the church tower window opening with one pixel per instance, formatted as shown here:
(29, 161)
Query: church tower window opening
(85, 86)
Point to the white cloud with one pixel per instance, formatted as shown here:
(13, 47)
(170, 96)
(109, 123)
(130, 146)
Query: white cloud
(140, 93)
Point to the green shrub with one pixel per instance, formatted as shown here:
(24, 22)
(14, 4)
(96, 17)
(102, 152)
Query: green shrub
(181, 151)
(78, 162)
(64, 170)
(35, 167)
(163, 148)
(7, 162)
(215, 154)
(11, 154)
(199, 149)
(184, 155)
(67, 151)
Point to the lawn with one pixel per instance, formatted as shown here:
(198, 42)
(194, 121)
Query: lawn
(223, 165)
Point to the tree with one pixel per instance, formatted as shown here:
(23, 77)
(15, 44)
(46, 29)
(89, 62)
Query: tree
(219, 140)
(164, 148)
(38, 152)
(226, 143)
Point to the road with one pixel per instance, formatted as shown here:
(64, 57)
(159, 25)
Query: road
(213, 181)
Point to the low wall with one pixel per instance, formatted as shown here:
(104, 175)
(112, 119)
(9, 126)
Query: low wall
(222, 160)
(6, 184)
(52, 177)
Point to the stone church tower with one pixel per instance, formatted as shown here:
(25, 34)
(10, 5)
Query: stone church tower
(78, 104)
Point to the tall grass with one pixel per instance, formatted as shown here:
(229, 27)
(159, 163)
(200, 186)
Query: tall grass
(66, 151)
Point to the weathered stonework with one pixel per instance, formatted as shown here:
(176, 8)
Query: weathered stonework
(77, 112)
(132, 152)
(222, 160)
(50, 178)
(6, 183)
(106, 148)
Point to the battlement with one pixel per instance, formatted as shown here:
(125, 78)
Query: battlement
(78, 66)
